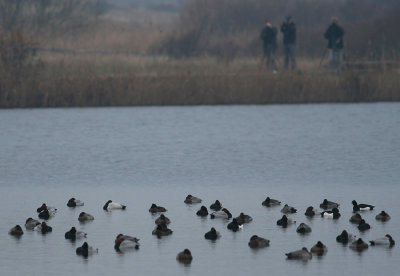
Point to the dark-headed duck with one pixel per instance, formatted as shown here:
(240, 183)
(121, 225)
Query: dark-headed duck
(110, 205)
(359, 245)
(192, 199)
(288, 209)
(85, 250)
(16, 231)
(361, 207)
(184, 257)
(326, 204)
(212, 234)
(85, 217)
(223, 213)
(319, 249)
(387, 240)
(302, 254)
(202, 212)
(73, 234)
(382, 216)
(156, 209)
(334, 214)
(258, 242)
(269, 202)
(126, 242)
(73, 202)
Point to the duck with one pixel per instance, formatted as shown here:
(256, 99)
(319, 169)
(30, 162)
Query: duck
(269, 202)
(44, 214)
(326, 204)
(31, 223)
(192, 199)
(85, 217)
(310, 212)
(202, 212)
(288, 209)
(16, 231)
(52, 210)
(356, 218)
(73, 234)
(303, 228)
(212, 234)
(242, 218)
(334, 214)
(85, 250)
(345, 237)
(359, 245)
(185, 256)
(258, 242)
(156, 209)
(361, 207)
(73, 202)
(216, 206)
(234, 225)
(284, 221)
(126, 242)
(110, 205)
(363, 226)
(162, 220)
(382, 216)
(319, 249)
(43, 228)
(387, 240)
(162, 230)
(302, 254)
(223, 213)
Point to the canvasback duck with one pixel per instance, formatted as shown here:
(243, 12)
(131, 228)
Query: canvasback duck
(85, 250)
(73, 234)
(43, 228)
(242, 218)
(85, 217)
(356, 218)
(202, 212)
(126, 242)
(16, 231)
(334, 214)
(326, 204)
(387, 240)
(269, 202)
(361, 207)
(52, 210)
(162, 220)
(31, 223)
(382, 216)
(258, 242)
(288, 209)
(302, 254)
(223, 213)
(303, 228)
(162, 230)
(156, 209)
(110, 205)
(319, 249)
(310, 212)
(234, 225)
(363, 226)
(285, 221)
(359, 245)
(212, 234)
(216, 206)
(345, 237)
(73, 202)
(184, 257)
(192, 199)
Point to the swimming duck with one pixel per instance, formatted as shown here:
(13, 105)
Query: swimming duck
(110, 205)
(319, 249)
(356, 218)
(44, 214)
(72, 234)
(326, 204)
(363, 226)
(73, 202)
(387, 240)
(85, 217)
(284, 221)
(242, 218)
(85, 250)
(334, 214)
(302, 254)
(192, 199)
(269, 202)
(203, 212)
(184, 257)
(345, 237)
(288, 209)
(382, 216)
(212, 234)
(125, 242)
(16, 231)
(162, 220)
(361, 207)
(156, 209)
(43, 228)
(310, 212)
(258, 242)
(234, 225)
(359, 245)
(216, 206)
(224, 213)
(303, 228)
(31, 223)
(162, 230)
(51, 210)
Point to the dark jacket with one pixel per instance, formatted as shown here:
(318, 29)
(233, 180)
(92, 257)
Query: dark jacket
(289, 33)
(334, 35)
(268, 36)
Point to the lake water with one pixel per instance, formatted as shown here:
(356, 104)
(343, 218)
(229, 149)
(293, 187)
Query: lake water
(299, 154)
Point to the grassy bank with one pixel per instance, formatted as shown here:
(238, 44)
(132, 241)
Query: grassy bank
(125, 80)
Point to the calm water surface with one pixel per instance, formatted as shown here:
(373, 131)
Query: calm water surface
(299, 154)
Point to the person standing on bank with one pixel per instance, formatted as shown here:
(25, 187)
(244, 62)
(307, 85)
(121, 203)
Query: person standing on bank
(288, 29)
(334, 34)
(268, 36)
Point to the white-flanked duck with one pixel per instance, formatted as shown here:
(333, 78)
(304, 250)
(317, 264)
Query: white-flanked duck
(269, 202)
(345, 237)
(387, 240)
(303, 228)
(326, 204)
(382, 216)
(162, 220)
(110, 205)
(202, 212)
(359, 245)
(162, 230)
(356, 218)
(319, 249)
(285, 221)
(258, 242)
(156, 209)
(212, 234)
(234, 225)
(73, 202)
(361, 207)
(334, 214)
(243, 218)
(126, 242)
(216, 206)
(288, 209)
(223, 213)
(16, 231)
(86, 250)
(302, 254)
(363, 226)
(31, 223)
(310, 212)
(83, 217)
(51, 210)
(43, 228)
(73, 234)
(192, 199)
(184, 257)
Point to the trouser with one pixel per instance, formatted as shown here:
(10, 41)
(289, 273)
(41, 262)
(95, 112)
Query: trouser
(335, 59)
(269, 53)
(289, 51)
